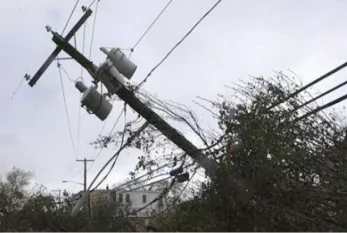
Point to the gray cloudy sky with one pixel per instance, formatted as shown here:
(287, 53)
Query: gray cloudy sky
(239, 38)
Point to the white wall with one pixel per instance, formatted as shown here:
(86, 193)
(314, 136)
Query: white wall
(137, 202)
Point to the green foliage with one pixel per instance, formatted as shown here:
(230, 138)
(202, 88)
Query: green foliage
(21, 210)
(282, 175)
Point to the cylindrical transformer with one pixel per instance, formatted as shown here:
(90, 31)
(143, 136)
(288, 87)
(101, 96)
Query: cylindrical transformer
(122, 63)
(96, 103)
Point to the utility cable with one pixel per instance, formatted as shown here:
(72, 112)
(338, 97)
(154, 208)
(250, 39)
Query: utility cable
(115, 159)
(109, 134)
(320, 96)
(150, 26)
(184, 37)
(93, 32)
(90, 5)
(143, 127)
(68, 20)
(67, 75)
(79, 107)
(320, 108)
(161, 195)
(125, 187)
(308, 85)
(66, 109)
(20, 84)
(136, 179)
(180, 194)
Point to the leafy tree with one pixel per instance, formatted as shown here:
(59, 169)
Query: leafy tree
(275, 173)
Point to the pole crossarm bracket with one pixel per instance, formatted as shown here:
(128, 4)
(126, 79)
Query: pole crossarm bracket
(55, 53)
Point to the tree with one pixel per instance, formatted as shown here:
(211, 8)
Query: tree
(275, 173)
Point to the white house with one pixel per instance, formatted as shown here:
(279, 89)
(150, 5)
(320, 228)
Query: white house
(131, 201)
(136, 200)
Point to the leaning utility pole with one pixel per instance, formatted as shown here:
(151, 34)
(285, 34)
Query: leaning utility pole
(85, 161)
(130, 99)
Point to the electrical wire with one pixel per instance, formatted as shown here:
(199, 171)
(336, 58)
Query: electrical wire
(320, 96)
(114, 161)
(180, 194)
(66, 109)
(128, 185)
(109, 134)
(90, 5)
(136, 179)
(160, 196)
(20, 84)
(79, 107)
(320, 108)
(150, 26)
(179, 42)
(143, 127)
(342, 66)
(93, 31)
(67, 75)
(73, 10)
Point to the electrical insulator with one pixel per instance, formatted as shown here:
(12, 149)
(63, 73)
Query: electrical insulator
(176, 171)
(94, 101)
(182, 177)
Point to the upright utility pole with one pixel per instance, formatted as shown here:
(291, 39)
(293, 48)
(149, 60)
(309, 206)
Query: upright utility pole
(85, 161)
(59, 196)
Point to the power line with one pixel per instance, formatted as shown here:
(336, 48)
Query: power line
(67, 75)
(150, 26)
(92, 3)
(184, 37)
(136, 179)
(66, 109)
(160, 196)
(320, 108)
(320, 96)
(20, 84)
(116, 157)
(93, 32)
(119, 151)
(308, 85)
(181, 192)
(133, 182)
(79, 107)
(68, 20)
(109, 134)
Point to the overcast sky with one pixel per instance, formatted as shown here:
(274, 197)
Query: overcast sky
(239, 38)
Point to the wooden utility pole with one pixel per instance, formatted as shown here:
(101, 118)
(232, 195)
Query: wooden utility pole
(59, 196)
(152, 117)
(85, 161)
(128, 97)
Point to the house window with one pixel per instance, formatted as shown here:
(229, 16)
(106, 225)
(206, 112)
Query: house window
(127, 198)
(144, 198)
(120, 198)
